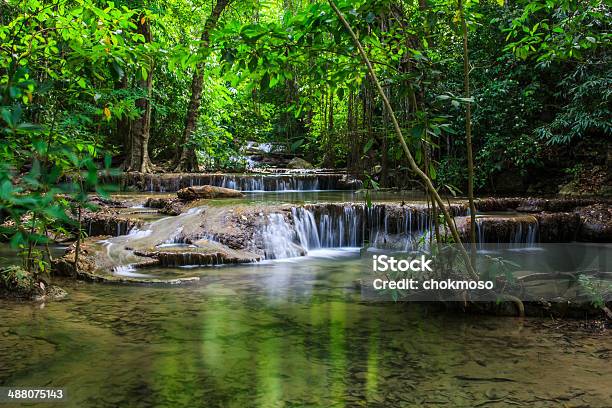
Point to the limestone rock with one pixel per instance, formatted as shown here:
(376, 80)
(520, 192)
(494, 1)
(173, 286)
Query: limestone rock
(166, 206)
(299, 163)
(107, 221)
(557, 226)
(349, 183)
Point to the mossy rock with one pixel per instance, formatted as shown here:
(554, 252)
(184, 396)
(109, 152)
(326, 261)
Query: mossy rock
(17, 283)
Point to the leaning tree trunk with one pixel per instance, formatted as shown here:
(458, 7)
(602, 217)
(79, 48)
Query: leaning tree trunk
(413, 165)
(137, 139)
(188, 160)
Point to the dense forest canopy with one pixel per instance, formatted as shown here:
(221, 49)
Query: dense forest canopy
(184, 85)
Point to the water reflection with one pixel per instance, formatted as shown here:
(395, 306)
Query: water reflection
(286, 334)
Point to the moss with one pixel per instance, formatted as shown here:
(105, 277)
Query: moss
(17, 282)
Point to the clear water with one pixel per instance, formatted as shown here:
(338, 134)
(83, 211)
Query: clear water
(290, 333)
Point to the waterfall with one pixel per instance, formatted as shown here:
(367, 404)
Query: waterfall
(532, 233)
(306, 228)
(342, 225)
(334, 229)
(507, 229)
(317, 226)
(271, 181)
(279, 238)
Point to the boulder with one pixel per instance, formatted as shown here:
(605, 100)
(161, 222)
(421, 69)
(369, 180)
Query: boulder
(194, 193)
(299, 163)
(166, 206)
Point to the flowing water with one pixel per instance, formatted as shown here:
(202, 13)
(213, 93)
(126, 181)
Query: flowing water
(291, 331)
(288, 334)
(270, 181)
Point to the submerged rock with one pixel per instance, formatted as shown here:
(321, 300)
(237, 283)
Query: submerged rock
(194, 193)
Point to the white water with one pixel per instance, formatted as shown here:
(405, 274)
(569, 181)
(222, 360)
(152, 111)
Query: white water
(130, 272)
(340, 226)
(353, 226)
(524, 232)
(279, 239)
(267, 183)
(249, 182)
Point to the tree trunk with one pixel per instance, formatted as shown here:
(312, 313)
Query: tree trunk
(384, 172)
(137, 138)
(188, 160)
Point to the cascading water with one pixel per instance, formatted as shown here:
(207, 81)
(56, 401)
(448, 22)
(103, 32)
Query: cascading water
(507, 230)
(340, 226)
(267, 182)
(279, 238)
(381, 226)
(272, 181)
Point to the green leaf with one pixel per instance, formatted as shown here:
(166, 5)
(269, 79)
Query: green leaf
(368, 146)
(432, 171)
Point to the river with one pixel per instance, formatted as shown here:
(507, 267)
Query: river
(290, 333)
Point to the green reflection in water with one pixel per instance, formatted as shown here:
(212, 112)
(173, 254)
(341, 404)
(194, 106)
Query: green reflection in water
(282, 334)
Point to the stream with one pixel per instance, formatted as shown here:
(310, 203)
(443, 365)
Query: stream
(289, 332)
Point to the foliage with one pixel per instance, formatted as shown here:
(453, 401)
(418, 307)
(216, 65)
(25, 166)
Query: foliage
(596, 290)
(52, 110)
(574, 34)
(287, 73)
